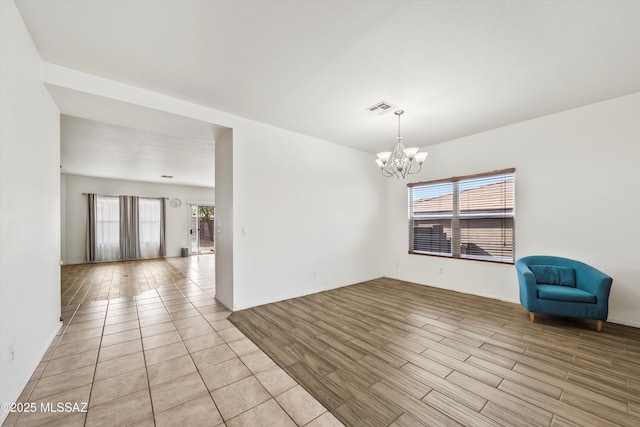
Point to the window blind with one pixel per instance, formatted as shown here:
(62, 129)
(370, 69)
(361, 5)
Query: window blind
(464, 217)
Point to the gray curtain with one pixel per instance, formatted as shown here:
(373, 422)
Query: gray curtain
(163, 221)
(129, 236)
(91, 227)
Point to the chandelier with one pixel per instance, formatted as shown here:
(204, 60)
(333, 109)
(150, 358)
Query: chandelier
(401, 161)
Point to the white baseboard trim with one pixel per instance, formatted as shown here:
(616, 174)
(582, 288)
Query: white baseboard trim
(23, 384)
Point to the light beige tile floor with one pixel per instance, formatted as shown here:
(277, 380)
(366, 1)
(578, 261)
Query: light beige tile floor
(164, 357)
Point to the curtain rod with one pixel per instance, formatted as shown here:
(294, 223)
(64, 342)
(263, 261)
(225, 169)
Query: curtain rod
(118, 195)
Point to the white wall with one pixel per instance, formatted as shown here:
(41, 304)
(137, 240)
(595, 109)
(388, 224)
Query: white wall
(63, 215)
(224, 218)
(307, 215)
(577, 187)
(29, 208)
(177, 229)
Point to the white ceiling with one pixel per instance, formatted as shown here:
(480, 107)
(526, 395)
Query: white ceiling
(455, 67)
(99, 149)
(112, 139)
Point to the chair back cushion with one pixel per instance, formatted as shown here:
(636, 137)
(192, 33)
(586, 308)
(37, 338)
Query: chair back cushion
(564, 293)
(554, 275)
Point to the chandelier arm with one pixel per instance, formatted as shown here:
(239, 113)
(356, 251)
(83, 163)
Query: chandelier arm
(386, 173)
(411, 168)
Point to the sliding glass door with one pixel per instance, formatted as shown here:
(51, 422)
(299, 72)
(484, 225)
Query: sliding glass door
(202, 229)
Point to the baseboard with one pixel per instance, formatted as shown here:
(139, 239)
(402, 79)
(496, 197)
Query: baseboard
(23, 384)
(626, 322)
(611, 319)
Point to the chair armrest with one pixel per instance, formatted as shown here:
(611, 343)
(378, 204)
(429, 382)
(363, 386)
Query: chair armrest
(527, 283)
(594, 281)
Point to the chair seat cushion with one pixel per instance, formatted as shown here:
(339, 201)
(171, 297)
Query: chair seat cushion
(564, 293)
(554, 275)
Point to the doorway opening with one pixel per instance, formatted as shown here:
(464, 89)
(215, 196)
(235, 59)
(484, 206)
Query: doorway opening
(202, 229)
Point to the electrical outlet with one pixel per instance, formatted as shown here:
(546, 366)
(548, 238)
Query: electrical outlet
(441, 271)
(315, 274)
(12, 353)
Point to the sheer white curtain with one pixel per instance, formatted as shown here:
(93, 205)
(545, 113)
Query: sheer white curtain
(107, 231)
(149, 227)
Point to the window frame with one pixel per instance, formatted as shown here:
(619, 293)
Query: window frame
(457, 216)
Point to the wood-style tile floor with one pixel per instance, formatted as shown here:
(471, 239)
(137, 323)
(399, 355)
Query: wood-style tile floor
(387, 352)
(164, 357)
(108, 280)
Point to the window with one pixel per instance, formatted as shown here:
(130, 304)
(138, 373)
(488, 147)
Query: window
(468, 217)
(107, 228)
(149, 227)
(124, 227)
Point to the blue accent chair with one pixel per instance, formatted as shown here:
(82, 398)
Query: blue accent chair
(563, 287)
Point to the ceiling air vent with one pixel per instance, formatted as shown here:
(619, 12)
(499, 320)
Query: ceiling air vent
(380, 107)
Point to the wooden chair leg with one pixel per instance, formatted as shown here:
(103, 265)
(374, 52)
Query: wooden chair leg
(599, 325)
(532, 316)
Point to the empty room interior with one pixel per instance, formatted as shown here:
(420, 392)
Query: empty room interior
(319, 213)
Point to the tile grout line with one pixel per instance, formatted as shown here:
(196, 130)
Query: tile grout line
(144, 356)
(95, 366)
(103, 316)
(298, 383)
(238, 356)
(173, 320)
